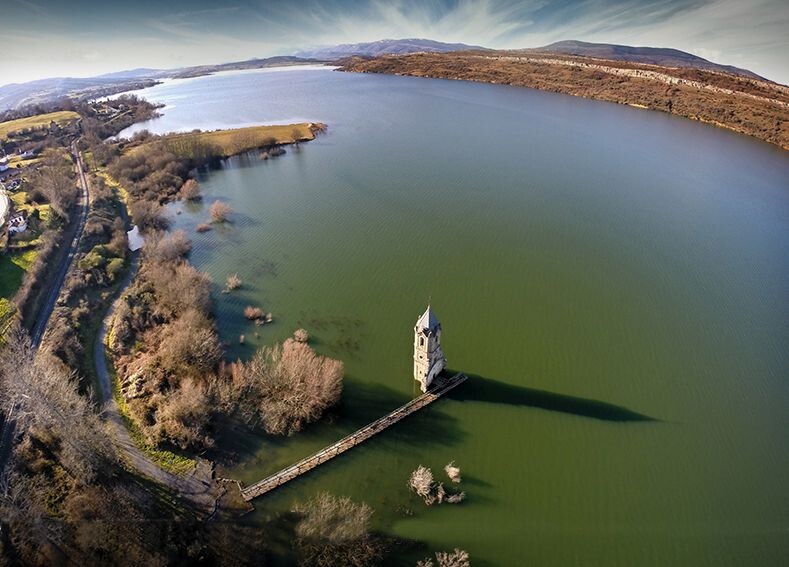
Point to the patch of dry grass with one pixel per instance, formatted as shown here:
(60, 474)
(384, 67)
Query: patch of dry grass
(38, 121)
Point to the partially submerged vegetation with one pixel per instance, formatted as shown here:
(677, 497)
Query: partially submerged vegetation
(163, 340)
(335, 532)
(431, 491)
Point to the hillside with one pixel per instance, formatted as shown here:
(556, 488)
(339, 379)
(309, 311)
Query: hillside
(37, 121)
(384, 47)
(44, 91)
(754, 107)
(662, 56)
(277, 61)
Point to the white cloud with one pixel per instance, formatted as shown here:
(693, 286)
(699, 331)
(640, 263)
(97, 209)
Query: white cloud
(750, 34)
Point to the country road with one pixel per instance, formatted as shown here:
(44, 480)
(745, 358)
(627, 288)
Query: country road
(198, 486)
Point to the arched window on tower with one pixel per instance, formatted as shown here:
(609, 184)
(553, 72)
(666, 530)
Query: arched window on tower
(421, 341)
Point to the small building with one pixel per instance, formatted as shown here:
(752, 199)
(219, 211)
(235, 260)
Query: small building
(17, 222)
(429, 359)
(135, 239)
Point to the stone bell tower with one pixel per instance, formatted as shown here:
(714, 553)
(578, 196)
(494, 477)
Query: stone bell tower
(429, 359)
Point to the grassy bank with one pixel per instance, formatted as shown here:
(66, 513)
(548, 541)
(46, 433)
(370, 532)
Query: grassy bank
(226, 143)
(38, 121)
(12, 268)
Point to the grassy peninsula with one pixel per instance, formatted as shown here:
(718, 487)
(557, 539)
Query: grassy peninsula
(755, 107)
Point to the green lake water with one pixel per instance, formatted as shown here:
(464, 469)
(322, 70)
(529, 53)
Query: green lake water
(614, 281)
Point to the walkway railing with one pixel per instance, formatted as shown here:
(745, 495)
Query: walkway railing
(440, 387)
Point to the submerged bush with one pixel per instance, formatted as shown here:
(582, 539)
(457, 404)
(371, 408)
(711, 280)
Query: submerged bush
(334, 531)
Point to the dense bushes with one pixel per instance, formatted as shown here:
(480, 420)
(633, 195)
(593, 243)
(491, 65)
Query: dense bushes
(101, 258)
(284, 387)
(168, 358)
(150, 172)
(66, 499)
(54, 182)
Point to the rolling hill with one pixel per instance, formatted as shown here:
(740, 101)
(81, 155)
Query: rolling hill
(662, 56)
(384, 47)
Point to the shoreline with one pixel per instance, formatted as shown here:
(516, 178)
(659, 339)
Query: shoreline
(733, 103)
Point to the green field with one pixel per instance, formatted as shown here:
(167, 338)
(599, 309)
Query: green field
(40, 120)
(12, 269)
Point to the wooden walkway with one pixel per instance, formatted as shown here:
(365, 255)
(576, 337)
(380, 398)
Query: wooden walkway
(439, 388)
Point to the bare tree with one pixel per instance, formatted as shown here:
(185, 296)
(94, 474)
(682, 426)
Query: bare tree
(190, 190)
(453, 472)
(232, 282)
(334, 531)
(301, 335)
(421, 481)
(457, 558)
(219, 211)
(45, 396)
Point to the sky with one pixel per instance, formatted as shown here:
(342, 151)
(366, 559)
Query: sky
(79, 38)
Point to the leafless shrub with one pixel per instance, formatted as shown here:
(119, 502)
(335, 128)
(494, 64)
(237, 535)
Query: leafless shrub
(301, 336)
(233, 282)
(421, 481)
(288, 386)
(457, 558)
(252, 313)
(178, 288)
(334, 531)
(190, 190)
(453, 472)
(219, 211)
(182, 418)
(189, 345)
(333, 518)
(455, 498)
(167, 247)
(149, 215)
(48, 398)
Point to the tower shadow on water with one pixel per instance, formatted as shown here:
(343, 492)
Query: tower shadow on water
(479, 389)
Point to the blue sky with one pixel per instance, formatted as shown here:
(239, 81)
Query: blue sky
(48, 38)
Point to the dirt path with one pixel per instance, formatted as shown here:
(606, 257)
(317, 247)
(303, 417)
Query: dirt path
(198, 487)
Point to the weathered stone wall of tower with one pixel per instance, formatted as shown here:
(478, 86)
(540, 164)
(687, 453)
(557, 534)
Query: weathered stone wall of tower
(429, 358)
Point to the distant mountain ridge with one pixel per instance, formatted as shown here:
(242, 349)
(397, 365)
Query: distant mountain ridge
(383, 47)
(16, 95)
(664, 56)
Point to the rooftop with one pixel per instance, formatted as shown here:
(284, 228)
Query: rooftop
(428, 321)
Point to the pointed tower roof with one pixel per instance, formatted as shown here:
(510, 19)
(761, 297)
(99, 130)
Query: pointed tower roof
(428, 321)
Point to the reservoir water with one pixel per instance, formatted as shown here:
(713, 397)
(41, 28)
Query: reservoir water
(615, 281)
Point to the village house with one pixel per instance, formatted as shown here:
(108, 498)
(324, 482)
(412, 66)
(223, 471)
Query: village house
(17, 222)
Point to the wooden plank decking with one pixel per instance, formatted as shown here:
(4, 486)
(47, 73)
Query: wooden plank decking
(440, 387)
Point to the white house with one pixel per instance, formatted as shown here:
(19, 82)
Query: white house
(17, 222)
